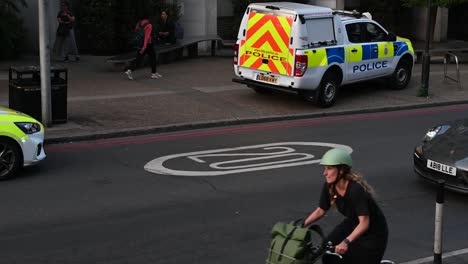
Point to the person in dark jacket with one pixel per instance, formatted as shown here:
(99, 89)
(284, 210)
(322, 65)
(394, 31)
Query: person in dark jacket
(362, 236)
(166, 32)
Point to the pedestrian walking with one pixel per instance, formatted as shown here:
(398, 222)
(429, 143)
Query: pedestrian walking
(144, 45)
(65, 42)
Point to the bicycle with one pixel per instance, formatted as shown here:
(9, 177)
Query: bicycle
(331, 257)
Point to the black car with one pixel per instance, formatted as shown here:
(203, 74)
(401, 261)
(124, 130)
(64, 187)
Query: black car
(443, 155)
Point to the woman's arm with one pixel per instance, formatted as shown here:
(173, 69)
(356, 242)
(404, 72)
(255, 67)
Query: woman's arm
(362, 227)
(314, 216)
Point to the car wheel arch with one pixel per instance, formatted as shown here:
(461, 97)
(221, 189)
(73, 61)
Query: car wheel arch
(13, 141)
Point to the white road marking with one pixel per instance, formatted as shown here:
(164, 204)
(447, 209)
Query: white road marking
(277, 151)
(286, 153)
(444, 256)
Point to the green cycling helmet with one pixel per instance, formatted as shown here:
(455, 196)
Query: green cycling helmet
(335, 157)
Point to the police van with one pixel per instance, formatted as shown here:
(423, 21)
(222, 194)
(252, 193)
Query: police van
(314, 50)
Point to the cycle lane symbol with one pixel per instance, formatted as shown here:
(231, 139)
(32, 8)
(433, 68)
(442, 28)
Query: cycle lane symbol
(225, 161)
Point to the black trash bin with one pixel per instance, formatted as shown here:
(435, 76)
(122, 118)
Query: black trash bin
(25, 91)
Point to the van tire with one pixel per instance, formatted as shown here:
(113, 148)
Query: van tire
(401, 76)
(328, 90)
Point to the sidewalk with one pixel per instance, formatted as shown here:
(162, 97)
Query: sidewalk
(197, 93)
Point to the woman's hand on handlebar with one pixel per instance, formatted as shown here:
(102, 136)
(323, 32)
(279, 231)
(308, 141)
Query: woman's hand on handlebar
(341, 248)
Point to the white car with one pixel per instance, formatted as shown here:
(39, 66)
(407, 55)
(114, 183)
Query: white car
(21, 142)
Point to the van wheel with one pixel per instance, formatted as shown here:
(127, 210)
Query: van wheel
(402, 75)
(9, 158)
(327, 91)
(259, 90)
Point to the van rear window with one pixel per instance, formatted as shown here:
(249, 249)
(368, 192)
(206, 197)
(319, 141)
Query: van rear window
(320, 30)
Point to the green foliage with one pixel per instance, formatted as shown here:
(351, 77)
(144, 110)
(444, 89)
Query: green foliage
(105, 26)
(441, 3)
(239, 7)
(11, 28)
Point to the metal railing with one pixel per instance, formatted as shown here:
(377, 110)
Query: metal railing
(447, 60)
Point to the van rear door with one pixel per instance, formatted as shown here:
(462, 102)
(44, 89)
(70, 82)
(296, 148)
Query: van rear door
(266, 46)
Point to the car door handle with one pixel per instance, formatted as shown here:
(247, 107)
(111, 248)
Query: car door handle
(354, 50)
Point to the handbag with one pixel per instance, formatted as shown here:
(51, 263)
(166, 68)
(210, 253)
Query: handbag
(63, 30)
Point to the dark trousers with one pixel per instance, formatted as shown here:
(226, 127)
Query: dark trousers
(139, 57)
(367, 249)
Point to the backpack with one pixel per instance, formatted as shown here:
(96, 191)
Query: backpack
(138, 38)
(179, 31)
(294, 244)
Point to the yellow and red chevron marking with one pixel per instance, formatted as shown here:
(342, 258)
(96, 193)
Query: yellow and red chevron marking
(267, 37)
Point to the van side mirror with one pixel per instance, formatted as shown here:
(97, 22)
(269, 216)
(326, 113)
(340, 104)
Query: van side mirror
(391, 37)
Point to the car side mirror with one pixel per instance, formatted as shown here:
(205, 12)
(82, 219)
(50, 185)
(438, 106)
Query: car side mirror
(391, 37)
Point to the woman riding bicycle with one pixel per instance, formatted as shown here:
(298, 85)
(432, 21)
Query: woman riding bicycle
(362, 236)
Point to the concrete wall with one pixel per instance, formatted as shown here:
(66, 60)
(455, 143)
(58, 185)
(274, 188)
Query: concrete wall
(199, 18)
(225, 8)
(30, 17)
(337, 4)
(420, 21)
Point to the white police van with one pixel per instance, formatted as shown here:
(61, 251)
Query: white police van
(314, 50)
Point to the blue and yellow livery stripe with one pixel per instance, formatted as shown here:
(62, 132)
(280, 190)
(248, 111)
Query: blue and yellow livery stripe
(335, 55)
(386, 50)
(370, 52)
(324, 56)
(355, 53)
(403, 45)
(407, 42)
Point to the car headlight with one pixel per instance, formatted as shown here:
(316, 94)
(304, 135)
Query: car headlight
(28, 128)
(431, 133)
(435, 131)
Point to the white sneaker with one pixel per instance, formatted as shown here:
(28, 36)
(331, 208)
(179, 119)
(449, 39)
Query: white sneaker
(155, 75)
(129, 74)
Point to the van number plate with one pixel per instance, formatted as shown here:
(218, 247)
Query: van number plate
(441, 167)
(267, 78)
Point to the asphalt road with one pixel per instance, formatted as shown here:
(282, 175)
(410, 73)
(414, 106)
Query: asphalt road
(93, 202)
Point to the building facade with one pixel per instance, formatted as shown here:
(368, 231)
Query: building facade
(215, 17)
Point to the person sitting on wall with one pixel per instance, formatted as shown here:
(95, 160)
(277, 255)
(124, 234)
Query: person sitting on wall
(166, 33)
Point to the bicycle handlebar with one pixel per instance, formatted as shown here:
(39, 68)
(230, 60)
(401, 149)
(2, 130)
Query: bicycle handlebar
(330, 250)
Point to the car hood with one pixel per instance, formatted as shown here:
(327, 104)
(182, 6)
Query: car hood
(450, 146)
(10, 115)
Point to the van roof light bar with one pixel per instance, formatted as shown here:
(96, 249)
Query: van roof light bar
(272, 7)
(353, 13)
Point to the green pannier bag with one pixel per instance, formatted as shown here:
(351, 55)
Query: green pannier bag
(292, 244)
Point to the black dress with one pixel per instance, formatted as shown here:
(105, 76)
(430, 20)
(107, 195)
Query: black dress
(370, 246)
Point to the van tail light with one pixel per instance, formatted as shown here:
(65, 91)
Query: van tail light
(236, 53)
(301, 65)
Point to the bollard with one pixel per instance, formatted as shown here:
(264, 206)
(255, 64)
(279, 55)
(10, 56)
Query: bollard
(438, 223)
